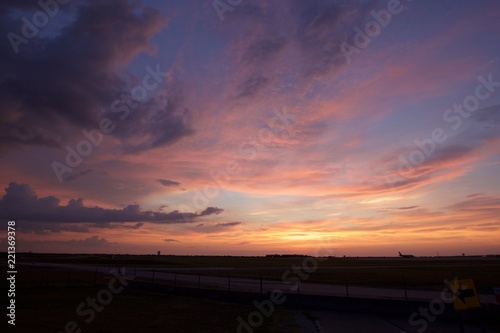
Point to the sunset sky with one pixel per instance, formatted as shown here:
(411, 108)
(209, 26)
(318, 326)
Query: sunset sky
(251, 127)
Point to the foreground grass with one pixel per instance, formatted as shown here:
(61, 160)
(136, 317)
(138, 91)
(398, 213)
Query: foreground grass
(47, 299)
(48, 309)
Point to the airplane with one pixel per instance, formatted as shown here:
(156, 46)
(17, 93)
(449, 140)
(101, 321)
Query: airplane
(406, 255)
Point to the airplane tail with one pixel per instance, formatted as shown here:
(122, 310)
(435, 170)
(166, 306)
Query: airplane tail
(400, 254)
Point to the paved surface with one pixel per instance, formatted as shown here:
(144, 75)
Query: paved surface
(339, 322)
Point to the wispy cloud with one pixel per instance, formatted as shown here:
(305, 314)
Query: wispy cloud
(169, 240)
(168, 183)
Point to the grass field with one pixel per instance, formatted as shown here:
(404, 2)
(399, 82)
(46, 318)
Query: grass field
(49, 307)
(417, 273)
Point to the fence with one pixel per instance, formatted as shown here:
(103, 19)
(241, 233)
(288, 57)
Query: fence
(74, 275)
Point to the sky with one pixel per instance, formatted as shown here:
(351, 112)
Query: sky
(247, 127)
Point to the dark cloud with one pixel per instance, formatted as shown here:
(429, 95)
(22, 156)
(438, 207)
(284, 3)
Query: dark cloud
(262, 50)
(43, 228)
(214, 228)
(482, 128)
(395, 181)
(89, 242)
(211, 210)
(311, 31)
(168, 183)
(488, 116)
(485, 204)
(7, 5)
(55, 87)
(485, 126)
(321, 27)
(249, 10)
(252, 86)
(448, 154)
(87, 245)
(76, 175)
(475, 195)
(163, 120)
(228, 224)
(168, 240)
(21, 203)
(242, 243)
(118, 225)
(407, 176)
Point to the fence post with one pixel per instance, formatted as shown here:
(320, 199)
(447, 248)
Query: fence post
(483, 321)
(460, 322)
(347, 288)
(153, 276)
(406, 293)
(175, 278)
(199, 280)
(95, 276)
(261, 285)
(69, 276)
(41, 278)
(229, 282)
